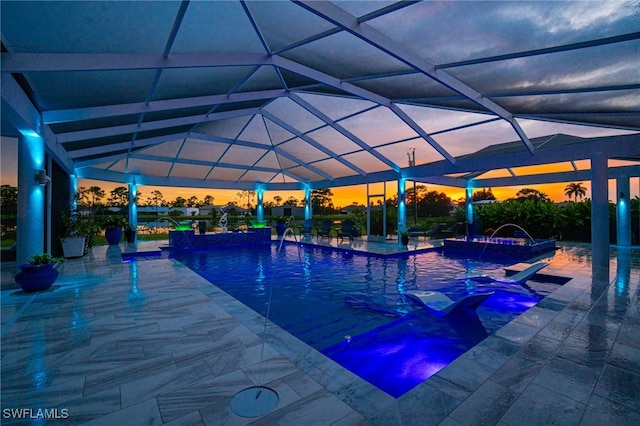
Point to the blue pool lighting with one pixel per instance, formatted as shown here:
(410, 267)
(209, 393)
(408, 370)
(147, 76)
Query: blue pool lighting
(352, 308)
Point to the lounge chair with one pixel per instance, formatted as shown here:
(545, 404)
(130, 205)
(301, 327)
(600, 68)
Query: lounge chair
(346, 230)
(307, 227)
(435, 232)
(325, 228)
(415, 232)
(453, 230)
(440, 304)
(517, 278)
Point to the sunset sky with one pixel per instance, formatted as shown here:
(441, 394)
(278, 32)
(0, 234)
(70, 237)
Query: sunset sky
(341, 196)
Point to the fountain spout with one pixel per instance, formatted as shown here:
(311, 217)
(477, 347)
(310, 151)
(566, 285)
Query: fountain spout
(516, 226)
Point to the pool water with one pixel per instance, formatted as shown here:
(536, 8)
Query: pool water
(352, 307)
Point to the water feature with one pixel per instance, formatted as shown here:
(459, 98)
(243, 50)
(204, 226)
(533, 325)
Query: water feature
(393, 343)
(514, 225)
(518, 248)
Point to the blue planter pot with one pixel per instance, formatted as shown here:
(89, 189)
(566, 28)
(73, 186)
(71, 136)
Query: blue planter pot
(280, 228)
(113, 235)
(36, 277)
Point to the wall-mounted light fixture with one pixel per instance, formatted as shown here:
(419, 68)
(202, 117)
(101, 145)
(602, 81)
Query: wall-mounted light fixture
(621, 194)
(42, 178)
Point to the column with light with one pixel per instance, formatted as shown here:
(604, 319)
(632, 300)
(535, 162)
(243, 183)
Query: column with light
(260, 206)
(623, 212)
(468, 205)
(32, 179)
(133, 208)
(308, 213)
(402, 208)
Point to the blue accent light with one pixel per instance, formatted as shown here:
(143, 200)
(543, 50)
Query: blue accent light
(36, 150)
(260, 206)
(622, 205)
(402, 205)
(469, 194)
(307, 205)
(29, 133)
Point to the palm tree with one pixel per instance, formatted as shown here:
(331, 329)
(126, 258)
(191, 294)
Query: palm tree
(575, 190)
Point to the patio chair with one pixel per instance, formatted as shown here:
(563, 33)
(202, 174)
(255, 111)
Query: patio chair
(453, 230)
(307, 227)
(441, 305)
(325, 228)
(415, 232)
(517, 278)
(435, 232)
(346, 230)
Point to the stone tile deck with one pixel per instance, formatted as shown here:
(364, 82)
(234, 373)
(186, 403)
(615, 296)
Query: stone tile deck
(151, 342)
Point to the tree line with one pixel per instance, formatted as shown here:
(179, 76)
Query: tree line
(420, 201)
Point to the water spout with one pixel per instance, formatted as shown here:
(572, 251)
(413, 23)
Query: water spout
(533, 241)
(284, 234)
(514, 225)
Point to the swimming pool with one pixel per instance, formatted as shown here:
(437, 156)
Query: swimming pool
(352, 307)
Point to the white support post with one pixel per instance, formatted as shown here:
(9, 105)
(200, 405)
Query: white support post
(599, 211)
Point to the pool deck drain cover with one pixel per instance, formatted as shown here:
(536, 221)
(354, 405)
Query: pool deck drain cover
(255, 401)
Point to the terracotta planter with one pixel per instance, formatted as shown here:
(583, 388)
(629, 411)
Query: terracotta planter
(36, 277)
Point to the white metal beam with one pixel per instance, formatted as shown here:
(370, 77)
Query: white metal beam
(77, 114)
(312, 142)
(265, 147)
(39, 62)
(365, 32)
(152, 125)
(419, 130)
(25, 117)
(344, 132)
(119, 177)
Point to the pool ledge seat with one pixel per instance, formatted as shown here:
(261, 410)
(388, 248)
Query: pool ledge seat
(517, 278)
(440, 304)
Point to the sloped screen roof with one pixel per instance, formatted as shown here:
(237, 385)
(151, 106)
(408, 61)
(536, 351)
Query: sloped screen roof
(232, 94)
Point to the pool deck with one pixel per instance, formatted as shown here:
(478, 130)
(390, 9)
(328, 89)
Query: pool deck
(151, 342)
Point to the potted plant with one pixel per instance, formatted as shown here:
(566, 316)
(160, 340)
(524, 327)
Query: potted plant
(75, 234)
(39, 274)
(404, 237)
(130, 233)
(113, 226)
(281, 226)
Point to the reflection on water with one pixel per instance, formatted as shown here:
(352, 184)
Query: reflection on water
(321, 296)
